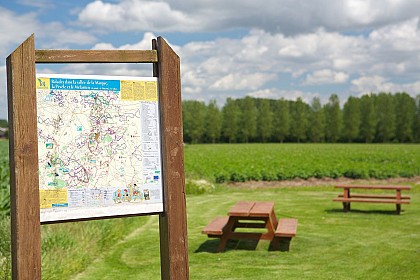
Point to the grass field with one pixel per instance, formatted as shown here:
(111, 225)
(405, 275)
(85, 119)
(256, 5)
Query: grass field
(371, 242)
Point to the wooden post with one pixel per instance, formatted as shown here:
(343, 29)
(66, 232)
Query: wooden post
(24, 188)
(173, 222)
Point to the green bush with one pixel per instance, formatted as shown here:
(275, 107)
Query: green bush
(198, 186)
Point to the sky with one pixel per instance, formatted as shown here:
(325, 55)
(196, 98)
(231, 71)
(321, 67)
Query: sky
(235, 48)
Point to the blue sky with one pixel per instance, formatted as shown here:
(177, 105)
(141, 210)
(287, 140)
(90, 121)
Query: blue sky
(273, 48)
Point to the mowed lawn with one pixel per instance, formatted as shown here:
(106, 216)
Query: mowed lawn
(371, 242)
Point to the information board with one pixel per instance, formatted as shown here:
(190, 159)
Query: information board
(98, 146)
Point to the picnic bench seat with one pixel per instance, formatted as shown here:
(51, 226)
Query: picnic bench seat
(285, 231)
(215, 227)
(396, 199)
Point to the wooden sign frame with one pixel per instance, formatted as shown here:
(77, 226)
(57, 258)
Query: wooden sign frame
(23, 151)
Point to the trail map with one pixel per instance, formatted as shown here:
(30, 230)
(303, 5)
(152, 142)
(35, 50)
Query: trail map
(98, 146)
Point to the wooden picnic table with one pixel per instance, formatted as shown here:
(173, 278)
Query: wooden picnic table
(250, 215)
(347, 197)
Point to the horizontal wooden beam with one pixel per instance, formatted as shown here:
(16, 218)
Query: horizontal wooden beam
(96, 56)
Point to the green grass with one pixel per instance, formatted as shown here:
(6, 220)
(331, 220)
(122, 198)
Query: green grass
(4, 178)
(69, 248)
(372, 242)
(369, 243)
(268, 162)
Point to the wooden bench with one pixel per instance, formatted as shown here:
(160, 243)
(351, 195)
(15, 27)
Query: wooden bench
(215, 227)
(346, 198)
(286, 230)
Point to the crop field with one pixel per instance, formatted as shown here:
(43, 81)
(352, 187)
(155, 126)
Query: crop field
(269, 162)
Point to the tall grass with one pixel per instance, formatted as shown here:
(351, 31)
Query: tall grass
(5, 261)
(4, 178)
(68, 249)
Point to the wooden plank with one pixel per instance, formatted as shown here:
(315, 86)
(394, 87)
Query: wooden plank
(241, 209)
(249, 225)
(173, 222)
(248, 235)
(382, 187)
(262, 209)
(23, 145)
(96, 56)
(394, 201)
(215, 227)
(376, 196)
(287, 227)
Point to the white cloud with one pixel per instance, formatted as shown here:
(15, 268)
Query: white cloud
(14, 29)
(242, 81)
(3, 93)
(368, 84)
(275, 16)
(325, 76)
(144, 44)
(403, 36)
(134, 15)
(253, 63)
(274, 93)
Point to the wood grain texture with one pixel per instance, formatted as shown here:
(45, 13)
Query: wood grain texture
(95, 56)
(241, 208)
(287, 227)
(262, 209)
(216, 226)
(23, 145)
(378, 187)
(173, 222)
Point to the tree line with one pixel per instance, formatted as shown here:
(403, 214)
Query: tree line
(382, 118)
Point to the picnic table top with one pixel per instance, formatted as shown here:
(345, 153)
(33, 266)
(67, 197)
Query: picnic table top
(388, 187)
(252, 209)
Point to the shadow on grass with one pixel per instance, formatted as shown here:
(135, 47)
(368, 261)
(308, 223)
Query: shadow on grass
(383, 212)
(210, 246)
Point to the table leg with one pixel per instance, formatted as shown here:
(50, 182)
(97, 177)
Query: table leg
(222, 244)
(398, 196)
(273, 219)
(269, 225)
(230, 227)
(346, 205)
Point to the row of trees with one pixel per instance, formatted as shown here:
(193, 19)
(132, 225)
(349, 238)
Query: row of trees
(382, 117)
